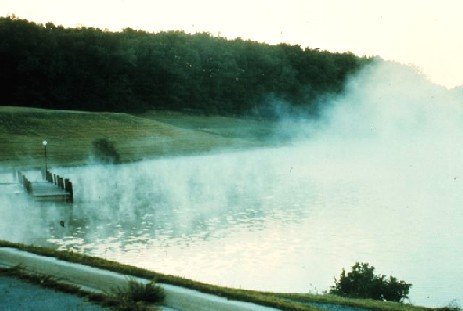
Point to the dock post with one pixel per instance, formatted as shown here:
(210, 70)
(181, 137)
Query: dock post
(69, 190)
(60, 182)
(28, 186)
(49, 176)
(26, 183)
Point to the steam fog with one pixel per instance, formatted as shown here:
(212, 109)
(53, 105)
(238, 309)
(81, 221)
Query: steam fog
(377, 178)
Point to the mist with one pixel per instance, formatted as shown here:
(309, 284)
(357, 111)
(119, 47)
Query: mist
(376, 177)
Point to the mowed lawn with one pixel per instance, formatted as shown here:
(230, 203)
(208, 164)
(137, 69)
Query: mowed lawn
(70, 135)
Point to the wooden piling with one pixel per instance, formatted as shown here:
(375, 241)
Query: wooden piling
(68, 188)
(28, 186)
(25, 182)
(49, 176)
(60, 182)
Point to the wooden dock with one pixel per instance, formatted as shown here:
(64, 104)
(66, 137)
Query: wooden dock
(44, 190)
(52, 188)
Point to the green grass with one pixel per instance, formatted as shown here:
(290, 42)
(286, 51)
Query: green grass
(70, 135)
(226, 127)
(358, 303)
(293, 302)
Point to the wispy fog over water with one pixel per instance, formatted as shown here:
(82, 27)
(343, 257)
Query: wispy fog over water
(378, 179)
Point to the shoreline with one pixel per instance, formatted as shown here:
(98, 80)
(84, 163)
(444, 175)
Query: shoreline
(272, 300)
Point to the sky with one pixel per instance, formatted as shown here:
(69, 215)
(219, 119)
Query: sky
(424, 33)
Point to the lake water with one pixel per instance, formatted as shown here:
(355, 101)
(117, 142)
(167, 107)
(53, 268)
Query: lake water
(285, 219)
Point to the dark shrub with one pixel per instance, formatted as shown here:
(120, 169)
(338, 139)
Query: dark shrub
(361, 282)
(145, 292)
(138, 294)
(104, 151)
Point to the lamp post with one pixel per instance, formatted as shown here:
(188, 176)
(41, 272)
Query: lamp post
(44, 143)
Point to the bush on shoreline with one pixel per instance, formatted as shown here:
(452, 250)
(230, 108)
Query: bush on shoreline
(361, 282)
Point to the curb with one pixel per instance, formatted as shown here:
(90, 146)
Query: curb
(176, 297)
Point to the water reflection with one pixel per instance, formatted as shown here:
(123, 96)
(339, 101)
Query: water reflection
(271, 219)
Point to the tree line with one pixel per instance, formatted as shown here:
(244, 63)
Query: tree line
(91, 69)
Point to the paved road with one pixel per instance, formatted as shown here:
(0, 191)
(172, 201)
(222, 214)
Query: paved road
(20, 295)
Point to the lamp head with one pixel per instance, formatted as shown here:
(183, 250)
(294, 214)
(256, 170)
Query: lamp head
(44, 143)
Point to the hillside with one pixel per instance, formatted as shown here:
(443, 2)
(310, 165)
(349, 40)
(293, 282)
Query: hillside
(70, 134)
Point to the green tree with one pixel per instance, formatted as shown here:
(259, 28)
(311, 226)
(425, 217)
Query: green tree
(50, 66)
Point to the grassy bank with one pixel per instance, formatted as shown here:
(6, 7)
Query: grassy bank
(70, 134)
(281, 301)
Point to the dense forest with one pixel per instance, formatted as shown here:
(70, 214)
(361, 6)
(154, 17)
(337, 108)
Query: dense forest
(91, 69)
